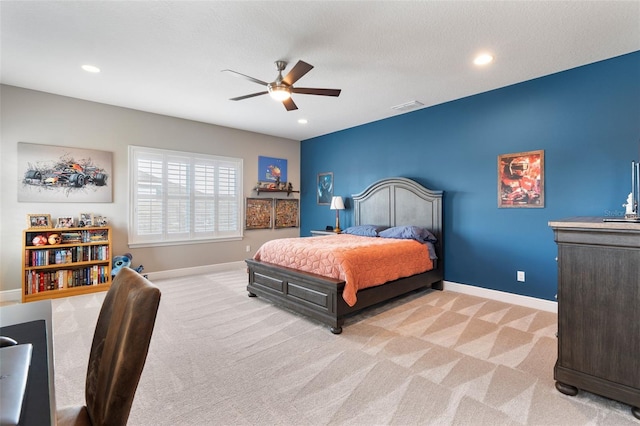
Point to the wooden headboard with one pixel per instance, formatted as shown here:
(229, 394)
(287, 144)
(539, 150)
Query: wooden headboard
(399, 201)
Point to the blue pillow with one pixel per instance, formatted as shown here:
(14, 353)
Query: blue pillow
(364, 230)
(409, 233)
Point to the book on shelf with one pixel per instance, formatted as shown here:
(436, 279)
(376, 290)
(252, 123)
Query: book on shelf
(71, 237)
(40, 281)
(97, 235)
(61, 256)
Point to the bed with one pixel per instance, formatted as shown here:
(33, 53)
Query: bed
(388, 202)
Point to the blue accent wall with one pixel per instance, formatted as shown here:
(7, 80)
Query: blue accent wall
(587, 121)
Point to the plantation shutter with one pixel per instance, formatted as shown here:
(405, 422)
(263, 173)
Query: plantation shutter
(181, 197)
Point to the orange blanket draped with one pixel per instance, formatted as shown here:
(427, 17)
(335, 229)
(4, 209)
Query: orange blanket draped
(360, 262)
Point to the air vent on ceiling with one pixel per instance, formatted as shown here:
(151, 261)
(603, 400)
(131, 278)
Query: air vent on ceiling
(408, 106)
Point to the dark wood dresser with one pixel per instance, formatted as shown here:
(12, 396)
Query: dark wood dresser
(598, 308)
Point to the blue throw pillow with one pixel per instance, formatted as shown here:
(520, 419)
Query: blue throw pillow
(364, 230)
(409, 233)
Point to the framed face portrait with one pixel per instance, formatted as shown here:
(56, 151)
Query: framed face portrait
(521, 180)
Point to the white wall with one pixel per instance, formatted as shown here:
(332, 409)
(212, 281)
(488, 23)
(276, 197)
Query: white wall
(43, 118)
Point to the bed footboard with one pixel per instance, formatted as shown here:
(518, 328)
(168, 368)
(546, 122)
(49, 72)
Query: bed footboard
(319, 297)
(309, 294)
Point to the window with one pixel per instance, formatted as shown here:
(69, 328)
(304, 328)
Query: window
(179, 197)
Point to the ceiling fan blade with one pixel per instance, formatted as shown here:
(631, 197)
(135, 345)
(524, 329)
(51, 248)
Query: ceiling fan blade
(289, 104)
(238, 74)
(311, 91)
(300, 69)
(239, 98)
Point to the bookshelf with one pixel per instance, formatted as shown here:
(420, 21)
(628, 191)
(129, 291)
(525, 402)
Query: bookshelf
(73, 261)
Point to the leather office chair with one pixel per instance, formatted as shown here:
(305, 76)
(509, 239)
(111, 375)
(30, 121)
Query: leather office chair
(118, 352)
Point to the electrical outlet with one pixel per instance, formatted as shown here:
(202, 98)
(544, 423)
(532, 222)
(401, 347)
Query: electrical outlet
(520, 276)
(248, 249)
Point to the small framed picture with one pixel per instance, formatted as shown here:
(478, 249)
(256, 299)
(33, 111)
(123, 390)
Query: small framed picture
(325, 188)
(65, 222)
(39, 220)
(85, 219)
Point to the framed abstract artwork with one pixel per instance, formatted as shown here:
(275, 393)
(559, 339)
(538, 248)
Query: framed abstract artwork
(49, 173)
(258, 213)
(286, 213)
(521, 180)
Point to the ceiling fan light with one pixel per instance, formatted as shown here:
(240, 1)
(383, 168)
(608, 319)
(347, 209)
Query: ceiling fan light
(279, 93)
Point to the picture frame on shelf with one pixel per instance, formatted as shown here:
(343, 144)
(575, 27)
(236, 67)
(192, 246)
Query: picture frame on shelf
(65, 222)
(100, 221)
(85, 219)
(521, 180)
(39, 221)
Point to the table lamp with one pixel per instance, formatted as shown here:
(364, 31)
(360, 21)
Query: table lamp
(337, 204)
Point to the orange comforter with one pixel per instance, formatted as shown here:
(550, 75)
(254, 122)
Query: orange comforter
(360, 262)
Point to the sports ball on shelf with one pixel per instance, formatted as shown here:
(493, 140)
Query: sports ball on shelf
(39, 240)
(54, 239)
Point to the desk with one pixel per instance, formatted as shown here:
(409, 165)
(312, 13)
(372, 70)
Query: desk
(31, 323)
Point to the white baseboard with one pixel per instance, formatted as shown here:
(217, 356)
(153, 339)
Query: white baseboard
(14, 296)
(205, 269)
(11, 296)
(516, 299)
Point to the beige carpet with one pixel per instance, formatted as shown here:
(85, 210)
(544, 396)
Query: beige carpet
(218, 357)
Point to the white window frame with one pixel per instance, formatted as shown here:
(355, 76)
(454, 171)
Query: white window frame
(171, 193)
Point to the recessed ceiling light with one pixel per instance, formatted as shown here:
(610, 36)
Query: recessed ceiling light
(483, 59)
(91, 68)
(408, 106)
(303, 121)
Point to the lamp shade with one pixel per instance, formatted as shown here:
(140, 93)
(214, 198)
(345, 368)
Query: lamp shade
(337, 203)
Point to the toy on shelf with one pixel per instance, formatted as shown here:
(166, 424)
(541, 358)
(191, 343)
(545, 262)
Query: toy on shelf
(39, 240)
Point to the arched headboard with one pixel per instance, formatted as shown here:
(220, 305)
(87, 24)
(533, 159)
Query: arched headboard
(399, 201)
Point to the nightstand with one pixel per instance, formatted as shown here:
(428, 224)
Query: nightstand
(316, 233)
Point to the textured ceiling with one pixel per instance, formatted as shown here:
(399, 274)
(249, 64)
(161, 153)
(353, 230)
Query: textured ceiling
(166, 57)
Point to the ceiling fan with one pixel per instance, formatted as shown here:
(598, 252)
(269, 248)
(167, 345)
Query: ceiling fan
(282, 88)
